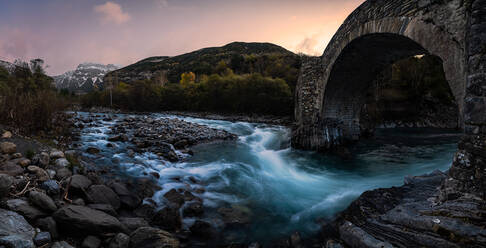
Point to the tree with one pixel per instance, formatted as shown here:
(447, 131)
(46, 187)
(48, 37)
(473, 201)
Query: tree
(187, 78)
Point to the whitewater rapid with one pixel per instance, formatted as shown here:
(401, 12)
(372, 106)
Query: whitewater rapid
(283, 190)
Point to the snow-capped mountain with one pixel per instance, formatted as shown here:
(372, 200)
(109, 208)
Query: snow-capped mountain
(87, 77)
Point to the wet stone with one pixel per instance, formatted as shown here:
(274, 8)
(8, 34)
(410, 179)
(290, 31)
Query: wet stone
(51, 187)
(42, 238)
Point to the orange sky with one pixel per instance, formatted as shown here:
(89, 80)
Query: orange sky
(68, 32)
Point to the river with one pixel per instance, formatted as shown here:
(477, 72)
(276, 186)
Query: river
(281, 189)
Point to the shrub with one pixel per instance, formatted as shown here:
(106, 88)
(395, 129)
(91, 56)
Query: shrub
(27, 99)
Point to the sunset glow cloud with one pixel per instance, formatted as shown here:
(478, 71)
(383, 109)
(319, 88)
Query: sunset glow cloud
(68, 32)
(112, 12)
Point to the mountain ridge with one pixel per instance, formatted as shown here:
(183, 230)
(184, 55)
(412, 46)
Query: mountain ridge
(85, 78)
(204, 60)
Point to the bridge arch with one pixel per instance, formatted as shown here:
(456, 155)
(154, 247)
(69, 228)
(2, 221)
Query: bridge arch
(330, 91)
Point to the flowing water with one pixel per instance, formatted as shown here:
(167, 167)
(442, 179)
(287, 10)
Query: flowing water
(283, 190)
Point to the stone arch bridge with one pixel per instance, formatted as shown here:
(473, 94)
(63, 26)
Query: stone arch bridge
(330, 90)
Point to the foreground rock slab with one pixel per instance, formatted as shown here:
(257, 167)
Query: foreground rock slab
(79, 218)
(413, 216)
(15, 231)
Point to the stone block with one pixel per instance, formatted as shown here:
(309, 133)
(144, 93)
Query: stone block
(475, 110)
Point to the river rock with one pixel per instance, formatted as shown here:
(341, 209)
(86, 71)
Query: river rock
(6, 182)
(62, 162)
(91, 242)
(133, 223)
(149, 237)
(80, 219)
(15, 231)
(120, 240)
(42, 159)
(11, 169)
(42, 238)
(127, 199)
(92, 150)
(40, 173)
(16, 155)
(24, 162)
(104, 195)
(48, 224)
(168, 219)
(7, 135)
(79, 182)
(63, 173)
(120, 137)
(42, 201)
(8, 147)
(22, 206)
(55, 154)
(174, 197)
(51, 187)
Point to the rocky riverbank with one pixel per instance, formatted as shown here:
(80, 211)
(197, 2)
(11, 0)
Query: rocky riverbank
(51, 200)
(168, 138)
(434, 210)
(55, 198)
(252, 118)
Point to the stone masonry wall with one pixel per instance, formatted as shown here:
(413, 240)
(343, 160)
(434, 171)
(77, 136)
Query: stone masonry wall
(441, 27)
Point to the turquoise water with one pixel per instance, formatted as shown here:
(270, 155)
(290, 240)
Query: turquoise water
(282, 189)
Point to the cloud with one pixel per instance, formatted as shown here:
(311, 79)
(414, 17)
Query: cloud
(112, 12)
(162, 3)
(308, 46)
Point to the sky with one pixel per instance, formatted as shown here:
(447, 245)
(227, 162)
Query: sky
(66, 33)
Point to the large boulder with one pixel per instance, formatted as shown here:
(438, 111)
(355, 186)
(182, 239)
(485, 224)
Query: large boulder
(42, 201)
(22, 206)
(149, 237)
(8, 147)
(86, 220)
(15, 231)
(103, 195)
(79, 182)
(107, 208)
